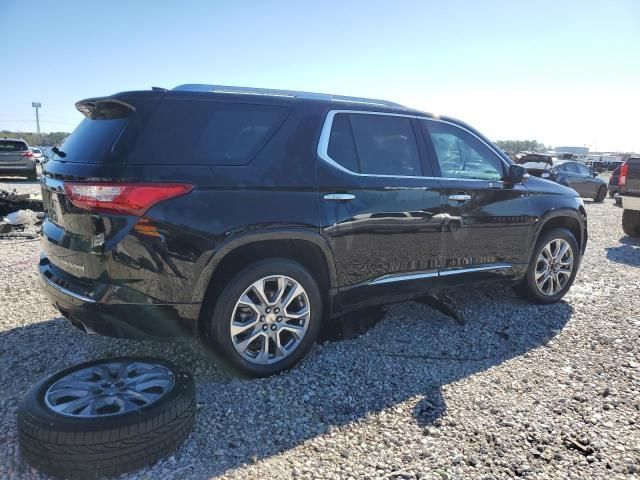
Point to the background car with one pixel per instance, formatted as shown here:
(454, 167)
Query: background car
(613, 186)
(37, 154)
(575, 175)
(17, 159)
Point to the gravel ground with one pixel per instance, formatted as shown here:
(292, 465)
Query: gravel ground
(517, 390)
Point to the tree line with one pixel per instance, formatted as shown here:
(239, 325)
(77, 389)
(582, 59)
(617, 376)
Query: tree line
(46, 139)
(515, 146)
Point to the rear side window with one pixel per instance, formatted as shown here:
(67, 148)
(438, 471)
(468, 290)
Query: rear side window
(91, 141)
(208, 133)
(375, 144)
(12, 146)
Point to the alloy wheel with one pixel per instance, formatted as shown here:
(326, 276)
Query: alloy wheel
(554, 266)
(109, 388)
(270, 319)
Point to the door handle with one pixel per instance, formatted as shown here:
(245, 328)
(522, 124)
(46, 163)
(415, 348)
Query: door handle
(339, 197)
(460, 197)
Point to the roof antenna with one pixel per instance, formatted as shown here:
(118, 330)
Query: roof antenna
(159, 89)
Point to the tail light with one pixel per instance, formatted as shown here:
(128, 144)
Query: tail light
(622, 179)
(122, 198)
(28, 153)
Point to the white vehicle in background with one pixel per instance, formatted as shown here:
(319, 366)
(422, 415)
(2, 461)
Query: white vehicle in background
(38, 156)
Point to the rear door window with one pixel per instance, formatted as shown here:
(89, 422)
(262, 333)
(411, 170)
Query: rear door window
(386, 145)
(570, 168)
(342, 148)
(375, 144)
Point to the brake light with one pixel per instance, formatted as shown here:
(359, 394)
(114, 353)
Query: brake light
(622, 179)
(28, 153)
(123, 198)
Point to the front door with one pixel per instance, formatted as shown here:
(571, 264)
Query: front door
(380, 212)
(488, 223)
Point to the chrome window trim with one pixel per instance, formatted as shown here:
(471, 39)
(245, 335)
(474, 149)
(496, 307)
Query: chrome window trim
(400, 277)
(325, 134)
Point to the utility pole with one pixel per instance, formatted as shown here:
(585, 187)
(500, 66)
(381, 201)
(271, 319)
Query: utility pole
(37, 105)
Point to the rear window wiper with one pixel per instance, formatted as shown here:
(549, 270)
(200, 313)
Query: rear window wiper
(58, 152)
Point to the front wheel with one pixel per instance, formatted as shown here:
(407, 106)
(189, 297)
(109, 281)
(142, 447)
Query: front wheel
(552, 268)
(602, 193)
(267, 318)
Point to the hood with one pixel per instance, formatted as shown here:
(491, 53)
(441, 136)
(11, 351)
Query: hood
(540, 185)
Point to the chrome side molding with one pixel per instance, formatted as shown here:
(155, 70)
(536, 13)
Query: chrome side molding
(401, 277)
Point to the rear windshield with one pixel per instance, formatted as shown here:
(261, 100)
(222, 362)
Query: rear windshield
(12, 146)
(176, 132)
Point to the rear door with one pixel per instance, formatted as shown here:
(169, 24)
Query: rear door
(488, 222)
(380, 207)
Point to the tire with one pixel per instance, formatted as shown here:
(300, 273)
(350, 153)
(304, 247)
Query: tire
(33, 175)
(528, 288)
(602, 194)
(76, 446)
(612, 193)
(220, 320)
(631, 222)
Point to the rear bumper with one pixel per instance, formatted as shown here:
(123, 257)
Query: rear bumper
(95, 308)
(630, 203)
(17, 169)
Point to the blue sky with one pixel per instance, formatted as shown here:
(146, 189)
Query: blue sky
(563, 72)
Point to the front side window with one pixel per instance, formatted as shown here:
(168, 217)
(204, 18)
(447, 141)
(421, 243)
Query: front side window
(462, 155)
(374, 144)
(582, 169)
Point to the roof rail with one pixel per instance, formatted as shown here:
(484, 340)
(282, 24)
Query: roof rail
(195, 87)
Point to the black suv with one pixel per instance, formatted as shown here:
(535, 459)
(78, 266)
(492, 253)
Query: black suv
(250, 216)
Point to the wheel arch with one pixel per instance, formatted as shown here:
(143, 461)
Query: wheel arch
(309, 249)
(572, 220)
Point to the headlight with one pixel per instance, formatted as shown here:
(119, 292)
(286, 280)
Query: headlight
(580, 201)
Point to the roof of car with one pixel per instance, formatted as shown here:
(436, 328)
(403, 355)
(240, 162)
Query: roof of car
(12, 139)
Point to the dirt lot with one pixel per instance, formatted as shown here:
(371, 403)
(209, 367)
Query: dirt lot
(517, 390)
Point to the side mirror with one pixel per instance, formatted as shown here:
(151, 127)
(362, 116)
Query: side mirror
(595, 174)
(516, 174)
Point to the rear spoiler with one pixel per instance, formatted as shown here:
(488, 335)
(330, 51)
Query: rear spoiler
(104, 108)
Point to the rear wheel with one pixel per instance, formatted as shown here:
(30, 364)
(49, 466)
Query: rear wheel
(631, 222)
(33, 175)
(553, 267)
(602, 193)
(267, 318)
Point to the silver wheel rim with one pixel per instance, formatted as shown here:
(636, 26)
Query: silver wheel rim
(554, 267)
(109, 388)
(270, 319)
